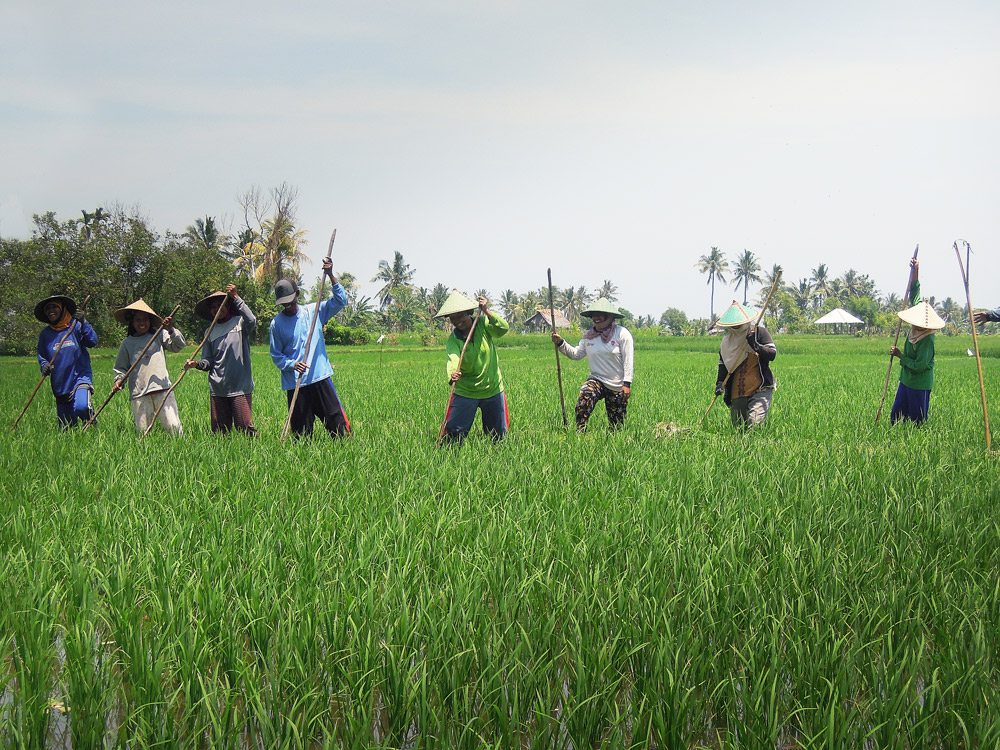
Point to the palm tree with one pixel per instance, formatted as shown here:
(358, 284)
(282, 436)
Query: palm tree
(608, 291)
(802, 294)
(204, 233)
(821, 280)
(483, 293)
(745, 272)
(715, 265)
(510, 304)
(283, 249)
(396, 276)
(571, 303)
(358, 313)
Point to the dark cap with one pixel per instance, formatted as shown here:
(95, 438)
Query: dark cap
(285, 291)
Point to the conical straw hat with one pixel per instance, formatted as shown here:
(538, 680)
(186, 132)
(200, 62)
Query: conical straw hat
(602, 305)
(138, 306)
(922, 315)
(201, 308)
(737, 315)
(456, 303)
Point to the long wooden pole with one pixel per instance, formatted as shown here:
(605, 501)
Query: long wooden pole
(312, 327)
(552, 315)
(975, 339)
(451, 393)
(180, 377)
(55, 354)
(760, 316)
(895, 343)
(129, 370)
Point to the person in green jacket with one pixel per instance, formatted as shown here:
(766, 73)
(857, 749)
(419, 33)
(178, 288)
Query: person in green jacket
(478, 383)
(916, 361)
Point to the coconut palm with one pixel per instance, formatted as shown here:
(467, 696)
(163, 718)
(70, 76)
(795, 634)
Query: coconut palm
(283, 249)
(746, 271)
(802, 294)
(204, 233)
(608, 291)
(396, 276)
(715, 265)
(821, 281)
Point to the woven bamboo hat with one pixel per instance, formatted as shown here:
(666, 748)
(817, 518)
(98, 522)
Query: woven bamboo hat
(124, 314)
(68, 305)
(602, 305)
(922, 315)
(202, 307)
(456, 303)
(737, 315)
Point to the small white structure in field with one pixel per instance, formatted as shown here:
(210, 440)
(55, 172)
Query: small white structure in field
(838, 316)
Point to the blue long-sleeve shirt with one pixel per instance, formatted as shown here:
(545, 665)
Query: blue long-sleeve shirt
(72, 367)
(288, 336)
(993, 315)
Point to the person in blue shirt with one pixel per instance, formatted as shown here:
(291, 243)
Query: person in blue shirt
(63, 356)
(987, 317)
(289, 332)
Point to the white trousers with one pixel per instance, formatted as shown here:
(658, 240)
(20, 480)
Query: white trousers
(144, 407)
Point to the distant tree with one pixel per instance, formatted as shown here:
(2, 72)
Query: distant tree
(802, 294)
(396, 276)
(821, 281)
(92, 222)
(205, 233)
(674, 321)
(571, 303)
(746, 271)
(483, 293)
(715, 265)
(608, 291)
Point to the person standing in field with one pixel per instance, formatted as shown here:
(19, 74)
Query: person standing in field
(609, 350)
(70, 374)
(479, 383)
(289, 333)
(226, 359)
(916, 361)
(149, 381)
(744, 376)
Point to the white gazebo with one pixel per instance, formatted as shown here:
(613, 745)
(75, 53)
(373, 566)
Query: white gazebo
(838, 316)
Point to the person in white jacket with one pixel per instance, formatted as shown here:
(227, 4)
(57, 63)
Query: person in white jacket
(609, 351)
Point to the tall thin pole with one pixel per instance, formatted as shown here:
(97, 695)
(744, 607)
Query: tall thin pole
(312, 327)
(552, 315)
(975, 339)
(451, 393)
(54, 355)
(129, 370)
(899, 326)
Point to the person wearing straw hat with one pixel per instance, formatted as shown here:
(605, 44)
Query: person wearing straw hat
(479, 382)
(916, 361)
(744, 376)
(289, 334)
(149, 380)
(609, 350)
(71, 377)
(226, 359)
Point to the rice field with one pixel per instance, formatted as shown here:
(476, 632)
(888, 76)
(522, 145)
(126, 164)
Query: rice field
(820, 583)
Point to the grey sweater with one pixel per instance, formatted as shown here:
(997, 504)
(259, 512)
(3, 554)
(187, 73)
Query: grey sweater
(226, 354)
(150, 375)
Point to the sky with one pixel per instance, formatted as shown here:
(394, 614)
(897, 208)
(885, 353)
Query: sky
(490, 141)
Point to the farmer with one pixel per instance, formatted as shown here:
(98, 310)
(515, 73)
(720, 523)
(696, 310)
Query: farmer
(986, 317)
(478, 383)
(744, 374)
(608, 348)
(916, 361)
(68, 335)
(148, 382)
(289, 332)
(226, 359)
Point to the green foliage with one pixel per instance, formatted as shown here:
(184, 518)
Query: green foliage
(334, 333)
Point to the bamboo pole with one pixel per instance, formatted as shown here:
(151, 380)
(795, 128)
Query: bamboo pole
(975, 339)
(129, 370)
(895, 343)
(184, 372)
(451, 393)
(305, 355)
(552, 315)
(760, 316)
(55, 354)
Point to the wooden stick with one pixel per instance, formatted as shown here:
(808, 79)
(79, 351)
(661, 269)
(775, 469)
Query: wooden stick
(756, 323)
(129, 371)
(55, 354)
(312, 327)
(184, 372)
(451, 393)
(975, 339)
(899, 326)
(552, 314)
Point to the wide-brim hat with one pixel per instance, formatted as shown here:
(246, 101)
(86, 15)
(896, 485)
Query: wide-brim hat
(737, 315)
(285, 291)
(202, 307)
(456, 303)
(922, 315)
(67, 303)
(602, 305)
(122, 314)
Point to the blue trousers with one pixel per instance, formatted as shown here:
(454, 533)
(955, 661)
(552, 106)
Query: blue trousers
(910, 404)
(462, 413)
(74, 405)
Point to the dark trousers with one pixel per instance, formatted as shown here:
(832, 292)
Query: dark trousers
(615, 403)
(910, 404)
(462, 413)
(232, 411)
(318, 401)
